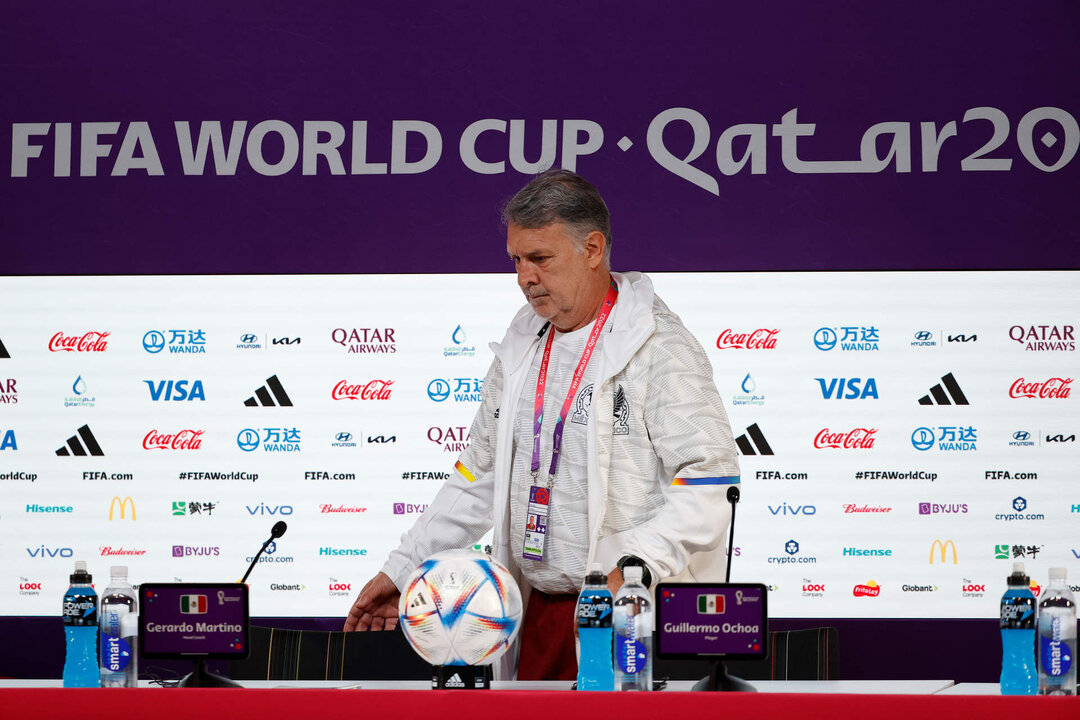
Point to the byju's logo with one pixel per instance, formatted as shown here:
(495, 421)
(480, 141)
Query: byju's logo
(750, 395)
(180, 551)
(401, 508)
(760, 339)
(847, 388)
(924, 338)
(175, 390)
(266, 395)
(926, 508)
(949, 438)
(465, 389)
(1044, 338)
(180, 342)
(848, 337)
(92, 341)
(459, 348)
(939, 396)
(451, 439)
(81, 445)
(1052, 388)
(753, 438)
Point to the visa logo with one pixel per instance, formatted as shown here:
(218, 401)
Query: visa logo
(175, 390)
(848, 388)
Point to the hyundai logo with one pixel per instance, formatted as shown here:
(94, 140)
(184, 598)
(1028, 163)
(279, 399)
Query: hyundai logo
(825, 338)
(922, 438)
(1019, 504)
(343, 437)
(923, 335)
(1021, 435)
(791, 547)
(248, 338)
(438, 389)
(153, 342)
(248, 439)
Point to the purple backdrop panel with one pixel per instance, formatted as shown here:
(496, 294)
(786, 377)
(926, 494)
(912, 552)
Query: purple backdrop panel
(198, 138)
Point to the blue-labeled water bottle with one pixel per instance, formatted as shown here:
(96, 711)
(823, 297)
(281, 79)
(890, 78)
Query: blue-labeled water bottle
(81, 630)
(1018, 673)
(632, 624)
(1057, 637)
(594, 608)
(119, 629)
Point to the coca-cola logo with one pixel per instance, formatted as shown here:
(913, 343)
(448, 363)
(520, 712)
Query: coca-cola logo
(371, 390)
(92, 341)
(871, 589)
(186, 439)
(760, 339)
(855, 439)
(1055, 387)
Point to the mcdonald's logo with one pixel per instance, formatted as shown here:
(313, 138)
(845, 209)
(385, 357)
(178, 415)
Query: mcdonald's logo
(123, 504)
(941, 546)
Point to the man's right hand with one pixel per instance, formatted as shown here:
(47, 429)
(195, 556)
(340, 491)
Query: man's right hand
(376, 607)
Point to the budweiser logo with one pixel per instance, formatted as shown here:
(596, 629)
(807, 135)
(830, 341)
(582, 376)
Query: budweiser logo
(108, 551)
(341, 509)
(760, 339)
(853, 508)
(859, 438)
(871, 589)
(183, 440)
(92, 341)
(1055, 387)
(371, 390)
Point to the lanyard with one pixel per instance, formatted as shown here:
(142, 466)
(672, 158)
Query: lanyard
(541, 382)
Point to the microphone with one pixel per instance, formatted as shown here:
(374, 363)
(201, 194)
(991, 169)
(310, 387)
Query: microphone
(733, 498)
(275, 532)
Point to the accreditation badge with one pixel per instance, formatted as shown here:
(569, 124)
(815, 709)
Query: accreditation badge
(536, 520)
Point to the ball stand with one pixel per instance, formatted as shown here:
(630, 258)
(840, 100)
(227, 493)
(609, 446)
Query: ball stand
(461, 677)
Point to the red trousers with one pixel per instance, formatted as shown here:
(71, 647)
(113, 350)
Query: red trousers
(547, 638)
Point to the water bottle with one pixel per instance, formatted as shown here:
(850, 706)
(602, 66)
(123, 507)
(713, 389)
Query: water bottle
(1018, 675)
(119, 627)
(594, 633)
(1057, 637)
(633, 633)
(81, 630)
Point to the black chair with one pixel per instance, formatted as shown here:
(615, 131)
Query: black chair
(810, 654)
(280, 654)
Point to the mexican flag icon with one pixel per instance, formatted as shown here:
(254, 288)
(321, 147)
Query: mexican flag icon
(710, 604)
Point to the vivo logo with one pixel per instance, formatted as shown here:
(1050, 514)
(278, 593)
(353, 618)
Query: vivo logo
(42, 551)
(785, 509)
(264, 509)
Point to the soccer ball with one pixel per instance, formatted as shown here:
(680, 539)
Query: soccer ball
(460, 607)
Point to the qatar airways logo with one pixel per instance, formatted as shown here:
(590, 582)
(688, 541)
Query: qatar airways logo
(365, 340)
(371, 390)
(855, 439)
(1053, 388)
(1043, 338)
(92, 341)
(760, 339)
(186, 439)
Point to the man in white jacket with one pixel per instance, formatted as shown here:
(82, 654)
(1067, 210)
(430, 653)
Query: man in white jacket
(600, 439)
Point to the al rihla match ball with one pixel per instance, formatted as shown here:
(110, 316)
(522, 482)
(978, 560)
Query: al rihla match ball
(460, 607)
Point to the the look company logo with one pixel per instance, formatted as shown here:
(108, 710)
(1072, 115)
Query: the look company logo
(183, 508)
(29, 587)
(1044, 338)
(370, 390)
(272, 394)
(179, 342)
(179, 551)
(337, 588)
(848, 337)
(786, 509)
(847, 388)
(401, 508)
(870, 589)
(8, 440)
(93, 341)
(81, 445)
(750, 394)
(451, 439)
(119, 508)
(753, 438)
(176, 390)
(926, 508)
(760, 339)
(365, 340)
(923, 338)
(464, 389)
(81, 398)
(275, 440)
(186, 439)
(8, 394)
(459, 348)
(812, 589)
(855, 439)
(1056, 388)
(971, 589)
(939, 550)
(949, 438)
(939, 395)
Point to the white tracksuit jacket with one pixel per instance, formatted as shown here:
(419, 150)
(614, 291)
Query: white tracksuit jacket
(668, 406)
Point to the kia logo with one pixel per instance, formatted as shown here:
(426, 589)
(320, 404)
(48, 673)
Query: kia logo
(1021, 435)
(248, 338)
(922, 438)
(153, 342)
(247, 440)
(923, 335)
(825, 338)
(438, 389)
(343, 437)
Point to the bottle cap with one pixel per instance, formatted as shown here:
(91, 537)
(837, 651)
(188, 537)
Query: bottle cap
(80, 576)
(118, 572)
(596, 575)
(632, 573)
(1057, 573)
(1018, 576)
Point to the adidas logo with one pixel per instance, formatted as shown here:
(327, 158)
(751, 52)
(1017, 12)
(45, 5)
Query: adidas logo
(3, 350)
(79, 449)
(264, 398)
(940, 395)
(758, 440)
(455, 681)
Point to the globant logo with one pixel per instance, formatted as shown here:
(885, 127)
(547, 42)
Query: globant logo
(848, 337)
(926, 508)
(918, 588)
(371, 390)
(93, 341)
(1021, 438)
(760, 339)
(750, 395)
(465, 389)
(179, 551)
(1055, 388)
(459, 347)
(1044, 338)
(279, 587)
(365, 340)
(855, 439)
(950, 438)
(870, 589)
(343, 440)
(187, 439)
(924, 338)
(180, 342)
(451, 439)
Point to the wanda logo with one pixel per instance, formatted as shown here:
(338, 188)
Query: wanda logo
(760, 339)
(183, 440)
(1055, 387)
(92, 341)
(371, 390)
(856, 439)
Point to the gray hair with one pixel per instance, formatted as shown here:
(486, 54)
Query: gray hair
(561, 196)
